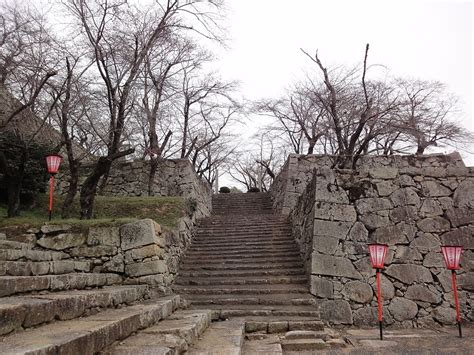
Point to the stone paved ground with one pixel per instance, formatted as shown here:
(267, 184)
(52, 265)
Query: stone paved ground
(366, 341)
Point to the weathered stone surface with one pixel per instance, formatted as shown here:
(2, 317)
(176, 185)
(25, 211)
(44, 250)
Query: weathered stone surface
(116, 264)
(145, 252)
(334, 212)
(358, 291)
(3, 236)
(62, 241)
(385, 188)
(387, 288)
(405, 196)
(402, 309)
(146, 268)
(426, 242)
(390, 235)
(445, 315)
(464, 194)
(433, 259)
(55, 228)
(104, 236)
(321, 287)
(466, 281)
(363, 265)
(406, 180)
(422, 293)
(335, 229)
(277, 327)
(409, 274)
(385, 173)
(373, 221)
(366, 316)
(369, 205)
(434, 189)
(333, 266)
(330, 193)
(430, 208)
(461, 236)
(325, 245)
(433, 225)
(336, 311)
(140, 233)
(94, 252)
(460, 216)
(404, 214)
(358, 232)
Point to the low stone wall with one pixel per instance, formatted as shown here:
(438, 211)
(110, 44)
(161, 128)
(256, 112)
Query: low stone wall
(174, 177)
(298, 172)
(413, 209)
(140, 252)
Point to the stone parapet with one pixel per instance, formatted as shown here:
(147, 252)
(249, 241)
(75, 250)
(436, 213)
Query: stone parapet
(414, 207)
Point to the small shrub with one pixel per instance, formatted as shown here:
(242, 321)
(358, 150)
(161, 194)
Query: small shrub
(254, 189)
(224, 190)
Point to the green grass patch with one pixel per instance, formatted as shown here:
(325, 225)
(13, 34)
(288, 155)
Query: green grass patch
(108, 210)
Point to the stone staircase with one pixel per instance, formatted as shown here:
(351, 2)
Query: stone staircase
(243, 262)
(48, 306)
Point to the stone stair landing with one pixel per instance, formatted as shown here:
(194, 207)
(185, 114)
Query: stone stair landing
(244, 262)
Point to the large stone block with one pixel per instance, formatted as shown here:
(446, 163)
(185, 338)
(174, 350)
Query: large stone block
(405, 196)
(336, 312)
(325, 245)
(62, 241)
(409, 274)
(334, 212)
(466, 281)
(140, 233)
(426, 242)
(405, 254)
(321, 287)
(430, 208)
(385, 188)
(94, 252)
(390, 235)
(369, 205)
(403, 309)
(460, 216)
(434, 225)
(144, 252)
(434, 189)
(333, 266)
(146, 268)
(461, 236)
(330, 193)
(374, 221)
(335, 229)
(55, 228)
(358, 232)
(464, 194)
(422, 293)
(384, 172)
(358, 291)
(104, 236)
(404, 214)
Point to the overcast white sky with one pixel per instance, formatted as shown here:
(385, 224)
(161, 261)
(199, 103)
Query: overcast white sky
(421, 39)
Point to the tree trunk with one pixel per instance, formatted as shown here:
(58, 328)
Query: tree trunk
(89, 188)
(72, 189)
(14, 186)
(151, 176)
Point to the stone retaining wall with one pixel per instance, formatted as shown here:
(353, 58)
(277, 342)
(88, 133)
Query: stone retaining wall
(298, 172)
(141, 252)
(414, 208)
(174, 177)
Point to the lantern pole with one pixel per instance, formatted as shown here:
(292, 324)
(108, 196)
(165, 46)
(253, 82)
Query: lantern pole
(51, 190)
(379, 300)
(456, 302)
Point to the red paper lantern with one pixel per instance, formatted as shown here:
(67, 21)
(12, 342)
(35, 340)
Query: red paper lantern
(452, 256)
(53, 161)
(377, 255)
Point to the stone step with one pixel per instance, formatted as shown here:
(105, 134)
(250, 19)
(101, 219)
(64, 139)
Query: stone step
(10, 244)
(276, 264)
(240, 289)
(10, 285)
(273, 226)
(28, 311)
(231, 258)
(243, 248)
(245, 236)
(235, 311)
(31, 255)
(243, 273)
(243, 299)
(242, 252)
(226, 337)
(266, 261)
(174, 334)
(234, 242)
(241, 281)
(89, 335)
(34, 268)
(279, 324)
(242, 220)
